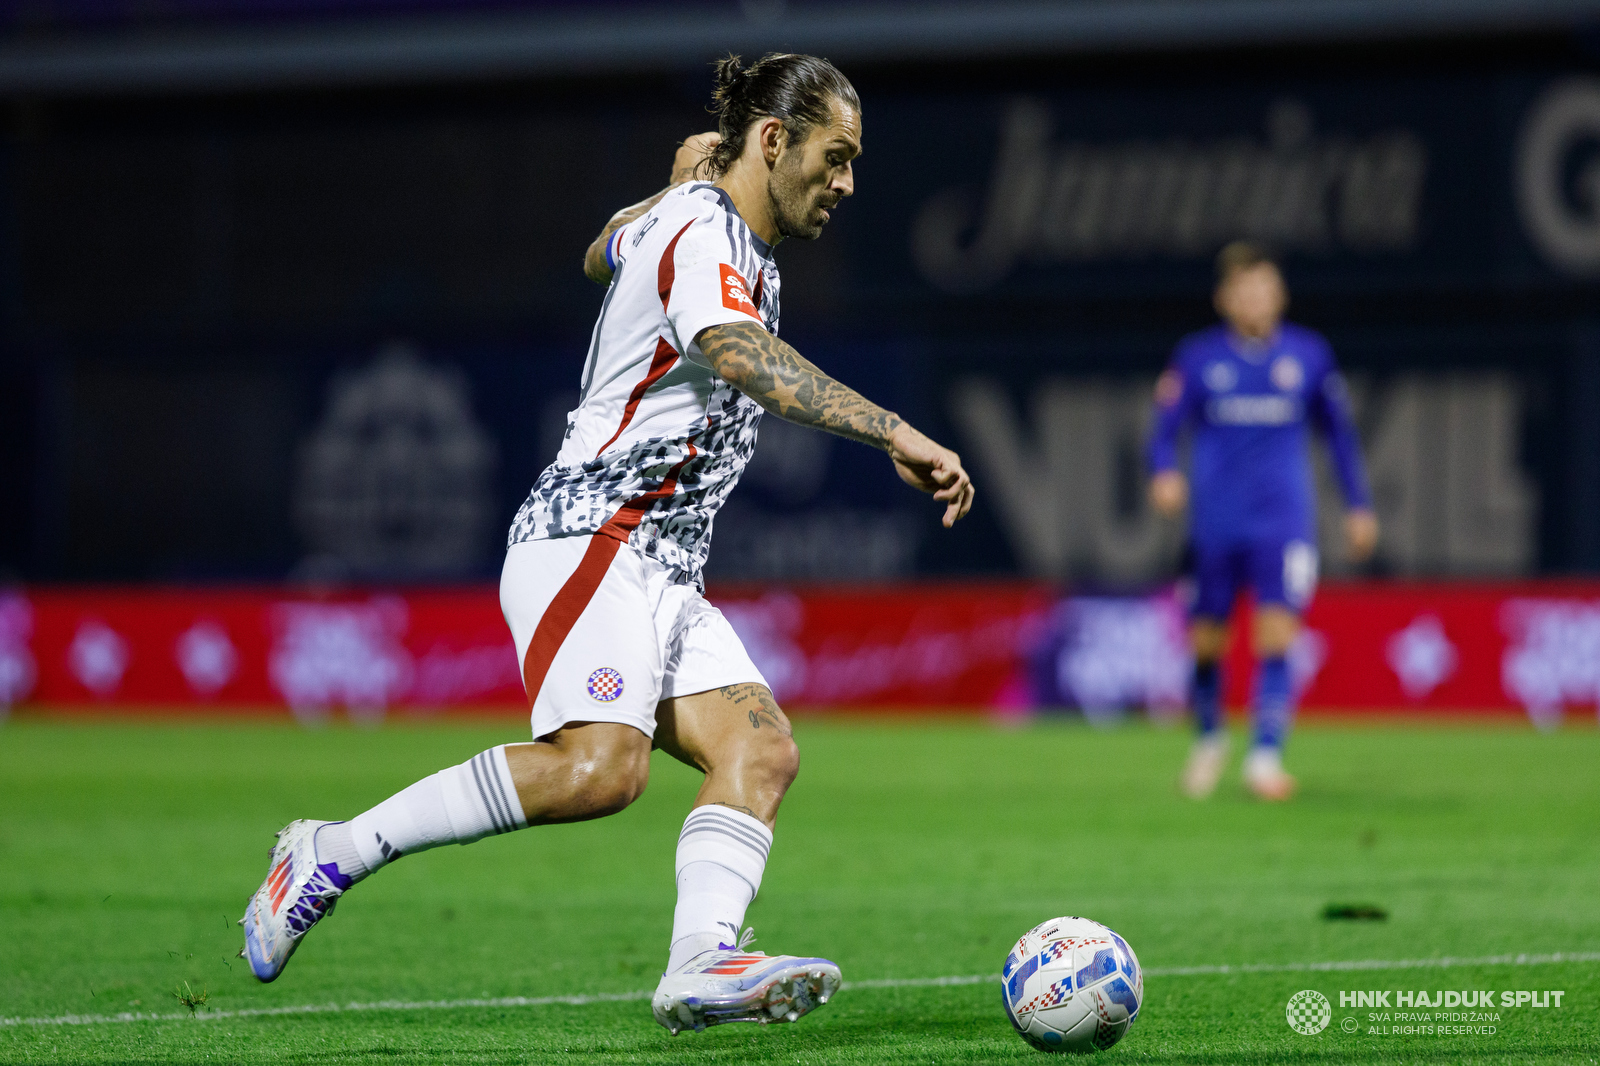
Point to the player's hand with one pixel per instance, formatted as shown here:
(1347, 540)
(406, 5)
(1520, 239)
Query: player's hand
(1360, 533)
(689, 164)
(932, 468)
(1169, 493)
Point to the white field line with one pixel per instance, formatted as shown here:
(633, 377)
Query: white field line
(1442, 963)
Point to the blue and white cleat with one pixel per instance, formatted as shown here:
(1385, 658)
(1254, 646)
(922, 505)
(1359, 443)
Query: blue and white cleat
(734, 985)
(296, 895)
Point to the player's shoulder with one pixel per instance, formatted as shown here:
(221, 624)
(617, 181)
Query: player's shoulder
(1200, 345)
(670, 215)
(703, 219)
(1305, 340)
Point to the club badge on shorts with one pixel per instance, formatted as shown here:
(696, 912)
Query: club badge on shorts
(605, 684)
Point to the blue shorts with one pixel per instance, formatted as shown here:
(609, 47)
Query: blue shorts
(1280, 572)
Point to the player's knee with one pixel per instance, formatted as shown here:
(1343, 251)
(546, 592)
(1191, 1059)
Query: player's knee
(778, 758)
(1208, 639)
(607, 782)
(1274, 632)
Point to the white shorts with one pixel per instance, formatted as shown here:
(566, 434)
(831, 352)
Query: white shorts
(603, 635)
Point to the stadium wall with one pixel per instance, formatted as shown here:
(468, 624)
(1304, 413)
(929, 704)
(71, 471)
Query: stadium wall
(332, 336)
(1004, 648)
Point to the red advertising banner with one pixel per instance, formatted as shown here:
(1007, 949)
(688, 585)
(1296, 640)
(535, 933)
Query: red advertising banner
(211, 650)
(1372, 647)
(1488, 647)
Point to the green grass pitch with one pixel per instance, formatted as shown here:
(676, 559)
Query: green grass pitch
(915, 849)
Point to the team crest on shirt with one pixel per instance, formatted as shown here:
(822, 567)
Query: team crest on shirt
(605, 684)
(1220, 376)
(735, 296)
(1287, 374)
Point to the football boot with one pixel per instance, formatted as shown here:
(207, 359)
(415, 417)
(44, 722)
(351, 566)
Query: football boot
(1204, 768)
(297, 894)
(1265, 776)
(734, 984)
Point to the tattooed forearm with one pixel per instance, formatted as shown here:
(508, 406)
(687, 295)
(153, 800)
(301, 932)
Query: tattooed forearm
(758, 705)
(595, 267)
(790, 386)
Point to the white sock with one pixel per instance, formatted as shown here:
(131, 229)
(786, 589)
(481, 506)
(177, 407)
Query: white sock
(458, 805)
(721, 856)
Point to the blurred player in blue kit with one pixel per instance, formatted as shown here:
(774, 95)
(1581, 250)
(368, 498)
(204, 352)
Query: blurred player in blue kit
(1248, 388)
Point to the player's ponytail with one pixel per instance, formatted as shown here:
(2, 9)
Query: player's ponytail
(798, 89)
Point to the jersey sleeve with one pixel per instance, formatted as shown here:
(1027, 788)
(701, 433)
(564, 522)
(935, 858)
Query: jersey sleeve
(1176, 395)
(1329, 403)
(705, 289)
(614, 249)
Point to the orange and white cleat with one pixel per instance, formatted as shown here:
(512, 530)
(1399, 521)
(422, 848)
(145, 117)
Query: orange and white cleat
(736, 985)
(297, 894)
(1265, 776)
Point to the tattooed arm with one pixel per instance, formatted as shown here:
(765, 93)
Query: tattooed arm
(687, 164)
(789, 385)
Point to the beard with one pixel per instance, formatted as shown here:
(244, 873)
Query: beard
(794, 208)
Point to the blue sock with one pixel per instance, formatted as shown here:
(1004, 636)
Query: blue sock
(1274, 702)
(1208, 697)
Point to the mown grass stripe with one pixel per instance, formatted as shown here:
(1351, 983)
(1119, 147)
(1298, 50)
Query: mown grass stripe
(1440, 963)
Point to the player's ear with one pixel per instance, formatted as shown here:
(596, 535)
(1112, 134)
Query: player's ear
(773, 139)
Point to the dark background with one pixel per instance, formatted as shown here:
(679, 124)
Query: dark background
(187, 266)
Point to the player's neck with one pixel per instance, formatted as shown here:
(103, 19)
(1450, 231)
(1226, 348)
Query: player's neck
(746, 186)
(1254, 341)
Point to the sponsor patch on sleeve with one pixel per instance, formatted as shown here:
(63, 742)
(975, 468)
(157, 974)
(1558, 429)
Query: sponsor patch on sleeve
(735, 296)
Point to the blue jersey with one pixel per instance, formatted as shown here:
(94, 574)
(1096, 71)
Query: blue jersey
(1249, 405)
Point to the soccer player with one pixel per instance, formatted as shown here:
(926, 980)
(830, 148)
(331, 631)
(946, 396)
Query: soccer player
(602, 584)
(1249, 387)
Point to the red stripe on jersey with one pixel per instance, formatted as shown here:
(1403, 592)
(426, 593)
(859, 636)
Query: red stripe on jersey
(665, 272)
(630, 514)
(659, 365)
(665, 356)
(569, 604)
(755, 295)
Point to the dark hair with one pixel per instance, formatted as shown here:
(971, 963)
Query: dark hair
(1242, 255)
(798, 89)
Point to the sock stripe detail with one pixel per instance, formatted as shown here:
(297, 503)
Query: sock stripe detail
(497, 789)
(506, 788)
(741, 840)
(496, 816)
(714, 822)
(757, 833)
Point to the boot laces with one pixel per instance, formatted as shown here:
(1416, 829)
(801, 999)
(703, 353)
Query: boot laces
(315, 902)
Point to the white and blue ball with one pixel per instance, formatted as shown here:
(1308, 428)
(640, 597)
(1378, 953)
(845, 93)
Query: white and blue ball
(1071, 984)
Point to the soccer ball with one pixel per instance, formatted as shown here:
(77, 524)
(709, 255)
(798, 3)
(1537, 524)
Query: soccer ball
(1071, 984)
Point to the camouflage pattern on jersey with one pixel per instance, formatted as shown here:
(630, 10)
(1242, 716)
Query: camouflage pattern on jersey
(570, 499)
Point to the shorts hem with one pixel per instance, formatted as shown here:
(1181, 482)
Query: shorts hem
(544, 722)
(699, 685)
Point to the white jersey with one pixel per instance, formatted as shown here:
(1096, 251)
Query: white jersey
(658, 439)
